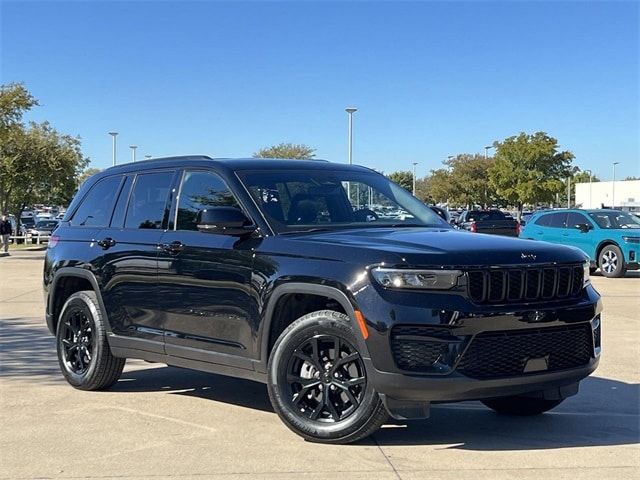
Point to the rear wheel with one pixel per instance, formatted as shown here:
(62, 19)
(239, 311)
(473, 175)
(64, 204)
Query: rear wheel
(611, 262)
(521, 406)
(81, 339)
(318, 383)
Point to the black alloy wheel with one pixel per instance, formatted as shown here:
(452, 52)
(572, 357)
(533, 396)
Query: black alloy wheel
(326, 378)
(84, 354)
(317, 380)
(78, 341)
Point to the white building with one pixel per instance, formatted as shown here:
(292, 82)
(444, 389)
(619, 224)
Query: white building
(627, 195)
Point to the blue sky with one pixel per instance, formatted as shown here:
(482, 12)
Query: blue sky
(430, 79)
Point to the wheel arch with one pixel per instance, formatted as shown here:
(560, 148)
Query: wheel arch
(279, 292)
(67, 281)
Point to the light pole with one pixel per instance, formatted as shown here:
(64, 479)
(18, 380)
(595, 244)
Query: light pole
(486, 151)
(414, 178)
(613, 186)
(133, 152)
(113, 136)
(590, 177)
(568, 192)
(350, 111)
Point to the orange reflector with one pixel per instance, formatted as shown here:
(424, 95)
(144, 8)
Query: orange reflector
(362, 324)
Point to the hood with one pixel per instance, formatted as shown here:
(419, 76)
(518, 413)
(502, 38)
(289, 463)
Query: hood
(446, 247)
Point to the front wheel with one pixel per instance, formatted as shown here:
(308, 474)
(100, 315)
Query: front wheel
(521, 406)
(611, 262)
(318, 384)
(84, 355)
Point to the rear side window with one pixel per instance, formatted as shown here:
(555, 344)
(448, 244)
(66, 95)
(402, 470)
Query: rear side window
(95, 208)
(543, 220)
(148, 206)
(576, 219)
(199, 191)
(119, 212)
(558, 220)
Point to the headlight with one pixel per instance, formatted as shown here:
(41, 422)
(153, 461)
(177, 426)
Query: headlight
(416, 279)
(587, 273)
(631, 239)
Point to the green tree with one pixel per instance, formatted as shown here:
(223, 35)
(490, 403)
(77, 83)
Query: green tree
(402, 178)
(529, 169)
(441, 186)
(37, 163)
(86, 174)
(286, 150)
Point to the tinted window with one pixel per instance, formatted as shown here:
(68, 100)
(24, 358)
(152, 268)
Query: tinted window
(148, 201)
(606, 219)
(543, 220)
(574, 219)
(201, 190)
(558, 220)
(117, 220)
(480, 216)
(95, 209)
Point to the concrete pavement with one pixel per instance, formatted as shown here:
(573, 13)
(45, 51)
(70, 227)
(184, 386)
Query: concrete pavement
(162, 422)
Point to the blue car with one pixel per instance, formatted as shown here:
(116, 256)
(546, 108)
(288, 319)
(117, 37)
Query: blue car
(611, 238)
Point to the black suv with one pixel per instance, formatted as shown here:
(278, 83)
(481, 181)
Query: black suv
(342, 292)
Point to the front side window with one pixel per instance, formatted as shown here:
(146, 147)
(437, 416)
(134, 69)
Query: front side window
(148, 206)
(331, 199)
(615, 220)
(201, 190)
(95, 209)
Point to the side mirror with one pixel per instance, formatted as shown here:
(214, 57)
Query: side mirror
(224, 220)
(583, 227)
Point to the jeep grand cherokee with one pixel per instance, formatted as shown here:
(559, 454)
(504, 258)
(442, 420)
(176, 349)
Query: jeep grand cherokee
(342, 292)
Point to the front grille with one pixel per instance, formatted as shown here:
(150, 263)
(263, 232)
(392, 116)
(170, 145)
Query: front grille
(513, 285)
(418, 348)
(507, 353)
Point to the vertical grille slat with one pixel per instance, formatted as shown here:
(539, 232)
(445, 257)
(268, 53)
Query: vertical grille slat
(527, 284)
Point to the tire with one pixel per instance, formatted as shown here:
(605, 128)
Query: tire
(521, 406)
(81, 341)
(611, 262)
(309, 385)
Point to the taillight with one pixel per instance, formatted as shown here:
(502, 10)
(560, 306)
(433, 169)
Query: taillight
(474, 227)
(53, 241)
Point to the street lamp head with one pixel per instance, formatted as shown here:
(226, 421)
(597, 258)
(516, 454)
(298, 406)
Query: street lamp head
(616, 163)
(489, 146)
(350, 109)
(133, 146)
(113, 134)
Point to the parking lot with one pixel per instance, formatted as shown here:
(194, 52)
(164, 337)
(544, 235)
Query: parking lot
(163, 422)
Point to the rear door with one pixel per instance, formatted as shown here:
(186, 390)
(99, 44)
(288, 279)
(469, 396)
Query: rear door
(209, 306)
(130, 268)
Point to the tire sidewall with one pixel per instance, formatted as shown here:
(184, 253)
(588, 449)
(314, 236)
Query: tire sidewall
(302, 329)
(620, 267)
(84, 302)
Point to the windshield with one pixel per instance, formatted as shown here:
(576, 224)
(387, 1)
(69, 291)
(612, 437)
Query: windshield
(303, 200)
(615, 219)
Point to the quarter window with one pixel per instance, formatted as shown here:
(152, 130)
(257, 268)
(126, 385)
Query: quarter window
(95, 209)
(148, 203)
(201, 190)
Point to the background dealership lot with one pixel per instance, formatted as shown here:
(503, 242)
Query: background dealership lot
(161, 422)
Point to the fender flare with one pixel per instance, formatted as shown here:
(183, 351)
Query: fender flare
(604, 243)
(66, 272)
(309, 289)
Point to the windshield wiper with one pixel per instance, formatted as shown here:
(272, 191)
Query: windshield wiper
(309, 230)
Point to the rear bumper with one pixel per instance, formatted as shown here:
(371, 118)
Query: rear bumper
(455, 387)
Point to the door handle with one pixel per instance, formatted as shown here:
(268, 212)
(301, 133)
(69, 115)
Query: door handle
(106, 243)
(173, 247)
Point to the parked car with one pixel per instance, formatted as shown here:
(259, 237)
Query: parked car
(42, 229)
(611, 238)
(489, 221)
(261, 269)
(26, 223)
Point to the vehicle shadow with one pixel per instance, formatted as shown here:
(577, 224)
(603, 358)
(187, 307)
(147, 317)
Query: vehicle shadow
(605, 412)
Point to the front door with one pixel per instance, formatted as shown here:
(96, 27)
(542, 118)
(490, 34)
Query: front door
(210, 309)
(578, 238)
